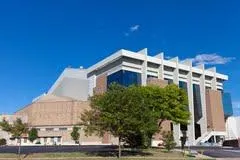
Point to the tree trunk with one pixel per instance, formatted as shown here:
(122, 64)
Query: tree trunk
(119, 147)
(19, 147)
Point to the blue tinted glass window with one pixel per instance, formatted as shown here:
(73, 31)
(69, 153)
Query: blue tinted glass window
(183, 85)
(227, 104)
(125, 78)
(197, 102)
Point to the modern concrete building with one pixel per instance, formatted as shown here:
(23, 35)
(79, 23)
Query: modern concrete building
(204, 88)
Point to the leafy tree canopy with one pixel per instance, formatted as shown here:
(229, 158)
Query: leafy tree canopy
(133, 113)
(16, 129)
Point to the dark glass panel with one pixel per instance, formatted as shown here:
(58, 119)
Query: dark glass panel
(183, 85)
(197, 130)
(125, 78)
(227, 104)
(197, 102)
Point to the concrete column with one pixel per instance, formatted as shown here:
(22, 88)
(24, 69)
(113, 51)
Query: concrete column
(203, 120)
(176, 127)
(160, 56)
(214, 80)
(191, 127)
(144, 66)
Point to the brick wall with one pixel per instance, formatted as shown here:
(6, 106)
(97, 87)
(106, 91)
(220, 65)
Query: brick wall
(101, 84)
(215, 114)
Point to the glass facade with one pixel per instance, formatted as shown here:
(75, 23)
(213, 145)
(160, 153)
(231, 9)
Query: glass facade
(125, 78)
(183, 85)
(227, 104)
(197, 102)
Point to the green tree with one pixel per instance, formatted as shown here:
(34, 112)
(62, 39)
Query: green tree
(109, 113)
(3, 142)
(168, 140)
(135, 113)
(75, 134)
(17, 129)
(32, 134)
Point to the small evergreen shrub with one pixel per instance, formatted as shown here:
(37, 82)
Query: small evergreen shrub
(3, 142)
(168, 140)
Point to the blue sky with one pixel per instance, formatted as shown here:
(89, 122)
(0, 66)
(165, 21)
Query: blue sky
(38, 39)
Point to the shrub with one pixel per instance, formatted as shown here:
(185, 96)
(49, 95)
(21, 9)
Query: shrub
(3, 142)
(33, 134)
(168, 140)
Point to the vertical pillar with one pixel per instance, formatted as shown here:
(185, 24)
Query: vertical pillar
(214, 80)
(191, 126)
(144, 66)
(176, 127)
(160, 56)
(203, 120)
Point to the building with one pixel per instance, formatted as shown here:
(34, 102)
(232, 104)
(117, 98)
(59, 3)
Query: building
(55, 113)
(204, 88)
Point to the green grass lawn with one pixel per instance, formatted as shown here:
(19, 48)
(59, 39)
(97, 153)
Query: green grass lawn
(149, 154)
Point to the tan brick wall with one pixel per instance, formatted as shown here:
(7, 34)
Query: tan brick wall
(58, 113)
(155, 81)
(101, 84)
(215, 114)
(54, 113)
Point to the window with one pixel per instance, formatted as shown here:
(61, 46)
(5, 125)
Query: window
(183, 85)
(49, 129)
(62, 129)
(207, 88)
(45, 139)
(227, 104)
(25, 140)
(151, 76)
(125, 78)
(197, 102)
(59, 139)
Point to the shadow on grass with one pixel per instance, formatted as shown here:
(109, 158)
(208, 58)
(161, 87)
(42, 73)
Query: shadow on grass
(114, 153)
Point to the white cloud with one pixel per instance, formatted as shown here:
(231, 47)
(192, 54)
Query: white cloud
(134, 28)
(211, 59)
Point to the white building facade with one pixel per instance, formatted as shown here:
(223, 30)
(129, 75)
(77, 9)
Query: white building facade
(127, 67)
